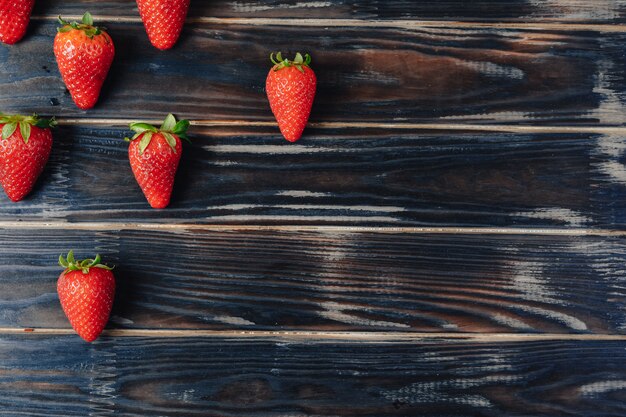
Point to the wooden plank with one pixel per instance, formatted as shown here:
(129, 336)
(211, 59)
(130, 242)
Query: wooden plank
(451, 75)
(328, 281)
(578, 11)
(63, 376)
(352, 177)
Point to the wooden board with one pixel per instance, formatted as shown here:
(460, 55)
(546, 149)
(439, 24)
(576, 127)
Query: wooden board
(568, 11)
(391, 75)
(63, 376)
(327, 281)
(342, 177)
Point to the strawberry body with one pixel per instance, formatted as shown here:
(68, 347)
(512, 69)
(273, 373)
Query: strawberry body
(163, 20)
(155, 168)
(290, 88)
(84, 55)
(22, 161)
(86, 296)
(14, 19)
(154, 155)
(87, 300)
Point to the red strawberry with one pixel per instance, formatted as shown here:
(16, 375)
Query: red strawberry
(14, 18)
(290, 89)
(25, 146)
(86, 291)
(163, 20)
(154, 156)
(84, 54)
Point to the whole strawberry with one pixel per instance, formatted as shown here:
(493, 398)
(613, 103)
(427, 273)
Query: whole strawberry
(291, 89)
(14, 18)
(25, 146)
(163, 20)
(86, 291)
(154, 155)
(84, 54)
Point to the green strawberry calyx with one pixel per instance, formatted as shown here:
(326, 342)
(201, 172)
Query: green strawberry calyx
(12, 122)
(86, 26)
(298, 62)
(169, 129)
(70, 264)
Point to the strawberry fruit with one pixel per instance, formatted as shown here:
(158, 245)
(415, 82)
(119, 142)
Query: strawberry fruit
(163, 20)
(154, 156)
(290, 87)
(86, 290)
(25, 146)
(14, 19)
(84, 54)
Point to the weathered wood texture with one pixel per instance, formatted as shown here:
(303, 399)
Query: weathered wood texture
(269, 280)
(342, 177)
(218, 71)
(63, 376)
(568, 11)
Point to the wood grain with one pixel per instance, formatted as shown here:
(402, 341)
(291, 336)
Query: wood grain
(341, 281)
(349, 177)
(391, 75)
(567, 11)
(63, 376)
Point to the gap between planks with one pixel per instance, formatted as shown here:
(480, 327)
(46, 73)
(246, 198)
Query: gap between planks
(370, 337)
(608, 130)
(178, 227)
(398, 24)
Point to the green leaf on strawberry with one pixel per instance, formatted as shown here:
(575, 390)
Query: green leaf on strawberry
(145, 141)
(86, 26)
(12, 122)
(70, 264)
(169, 123)
(8, 130)
(25, 131)
(168, 129)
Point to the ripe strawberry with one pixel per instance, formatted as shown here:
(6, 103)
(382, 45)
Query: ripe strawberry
(84, 54)
(23, 152)
(163, 20)
(290, 89)
(154, 155)
(86, 291)
(14, 18)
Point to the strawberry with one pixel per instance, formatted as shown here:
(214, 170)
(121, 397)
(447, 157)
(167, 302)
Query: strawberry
(290, 89)
(84, 54)
(163, 20)
(24, 152)
(14, 18)
(154, 155)
(86, 291)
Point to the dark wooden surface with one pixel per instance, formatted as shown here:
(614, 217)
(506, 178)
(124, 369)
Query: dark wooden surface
(446, 240)
(328, 281)
(342, 177)
(570, 11)
(391, 75)
(197, 377)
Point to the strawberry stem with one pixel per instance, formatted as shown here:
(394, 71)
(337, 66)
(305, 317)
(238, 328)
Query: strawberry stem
(12, 122)
(169, 128)
(299, 61)
(70, 264)
(86, 26)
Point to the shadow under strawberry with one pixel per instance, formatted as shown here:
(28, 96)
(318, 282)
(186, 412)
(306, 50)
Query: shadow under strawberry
(124, 59)
(35, 26)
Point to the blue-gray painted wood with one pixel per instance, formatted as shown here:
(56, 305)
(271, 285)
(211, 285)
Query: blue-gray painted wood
(64, 376)
(460, 75)
(560, 11)
(339, 281)
(342, 177)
